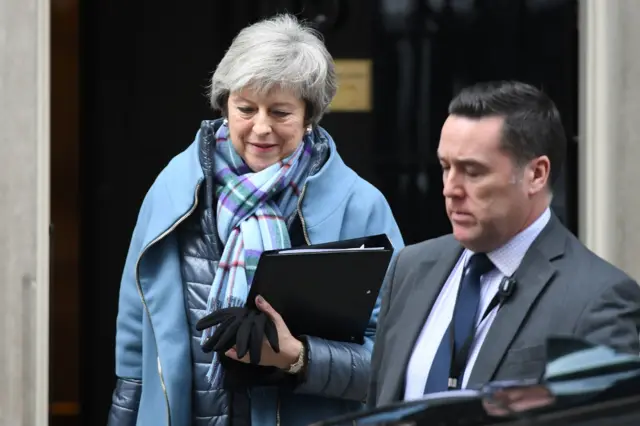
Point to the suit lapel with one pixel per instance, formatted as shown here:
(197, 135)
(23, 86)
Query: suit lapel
(429, 280)
(533, 275)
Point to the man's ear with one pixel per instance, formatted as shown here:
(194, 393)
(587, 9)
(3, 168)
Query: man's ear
(538, 173)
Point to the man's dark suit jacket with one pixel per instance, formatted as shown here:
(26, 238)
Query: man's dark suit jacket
(562, 289)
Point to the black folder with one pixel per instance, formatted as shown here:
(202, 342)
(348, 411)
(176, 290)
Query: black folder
(324, 290)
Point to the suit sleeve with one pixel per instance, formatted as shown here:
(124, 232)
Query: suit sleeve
(339, 369)
(128, 389)
(613, 318)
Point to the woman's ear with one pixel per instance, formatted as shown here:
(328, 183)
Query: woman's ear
(308, 113)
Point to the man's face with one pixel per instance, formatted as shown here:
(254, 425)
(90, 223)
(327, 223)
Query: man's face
(488, 198)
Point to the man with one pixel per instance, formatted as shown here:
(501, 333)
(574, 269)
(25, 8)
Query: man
(475, 306)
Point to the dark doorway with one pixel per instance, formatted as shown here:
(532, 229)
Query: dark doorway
(427, 50)
(144, 70)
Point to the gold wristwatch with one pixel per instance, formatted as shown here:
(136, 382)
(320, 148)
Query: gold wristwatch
(297, 366)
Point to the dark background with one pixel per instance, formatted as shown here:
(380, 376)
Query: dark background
(141, 69)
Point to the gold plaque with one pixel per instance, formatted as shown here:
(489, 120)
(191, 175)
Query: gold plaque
(354, 86)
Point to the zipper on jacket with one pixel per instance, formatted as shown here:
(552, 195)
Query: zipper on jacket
(144, 302)
(302, 222)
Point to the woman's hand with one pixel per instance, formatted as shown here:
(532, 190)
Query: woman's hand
(290, 347)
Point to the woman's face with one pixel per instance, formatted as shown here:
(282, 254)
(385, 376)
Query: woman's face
(265, 128)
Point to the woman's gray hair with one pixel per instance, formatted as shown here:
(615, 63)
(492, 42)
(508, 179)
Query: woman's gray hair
(277, 52)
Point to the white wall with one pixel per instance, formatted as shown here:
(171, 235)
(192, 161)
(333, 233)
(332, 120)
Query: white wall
(610, 131)
(24, 201)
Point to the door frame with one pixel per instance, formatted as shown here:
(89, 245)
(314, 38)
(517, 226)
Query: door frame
(597, 123)
(40, 285)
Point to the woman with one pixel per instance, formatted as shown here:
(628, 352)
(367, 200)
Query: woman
(266, 176)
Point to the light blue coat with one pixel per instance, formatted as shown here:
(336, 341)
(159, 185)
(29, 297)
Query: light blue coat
(152, 340)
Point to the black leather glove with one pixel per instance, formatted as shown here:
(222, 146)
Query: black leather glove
(240, 327)
(228, 321)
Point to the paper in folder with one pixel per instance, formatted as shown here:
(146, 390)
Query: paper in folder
(325, 290)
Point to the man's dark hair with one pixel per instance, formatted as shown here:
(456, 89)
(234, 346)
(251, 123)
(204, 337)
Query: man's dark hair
(532, 124)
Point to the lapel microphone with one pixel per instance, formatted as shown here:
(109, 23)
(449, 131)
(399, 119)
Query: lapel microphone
(506, 289)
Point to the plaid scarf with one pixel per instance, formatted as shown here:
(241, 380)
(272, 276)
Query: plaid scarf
(252, 213)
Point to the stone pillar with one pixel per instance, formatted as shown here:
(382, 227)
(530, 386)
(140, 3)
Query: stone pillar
(609, 141)
(24, 212)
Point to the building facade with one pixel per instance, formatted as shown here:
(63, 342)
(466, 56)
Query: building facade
(609, 147)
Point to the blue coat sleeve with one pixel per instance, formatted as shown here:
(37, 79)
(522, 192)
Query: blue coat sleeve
(126, 395)
(339, 369)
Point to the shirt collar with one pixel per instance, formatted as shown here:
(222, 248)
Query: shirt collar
(508, 257)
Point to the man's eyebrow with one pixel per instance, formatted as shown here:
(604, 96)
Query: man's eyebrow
(464, 161)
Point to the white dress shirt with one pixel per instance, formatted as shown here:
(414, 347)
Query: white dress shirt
(506, 260)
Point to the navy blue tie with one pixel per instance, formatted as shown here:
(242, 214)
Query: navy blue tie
(463, 322)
